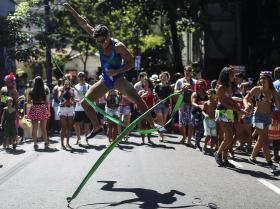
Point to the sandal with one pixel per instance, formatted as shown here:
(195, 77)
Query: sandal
(47, 145)
(183, 141)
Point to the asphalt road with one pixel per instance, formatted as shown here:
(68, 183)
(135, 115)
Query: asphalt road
(159, 175)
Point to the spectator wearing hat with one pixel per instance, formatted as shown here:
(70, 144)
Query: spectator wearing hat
(155, 80)
(80, 117)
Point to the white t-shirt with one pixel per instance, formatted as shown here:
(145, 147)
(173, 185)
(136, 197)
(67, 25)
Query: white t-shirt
(138, 86)
(78, 98)
(181, 82)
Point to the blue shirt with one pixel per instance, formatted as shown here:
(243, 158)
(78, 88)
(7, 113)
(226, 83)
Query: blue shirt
(112, 61)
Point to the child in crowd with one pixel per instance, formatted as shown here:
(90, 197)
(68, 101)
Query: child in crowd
(8, 123)
(150, 99)
(198, 98)
(209, 122)
(112, 108)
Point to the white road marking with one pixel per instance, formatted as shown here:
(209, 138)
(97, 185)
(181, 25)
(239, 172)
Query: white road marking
(270, 186)
(238, 165)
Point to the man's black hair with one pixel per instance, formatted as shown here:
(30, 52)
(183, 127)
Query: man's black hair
(100, 30)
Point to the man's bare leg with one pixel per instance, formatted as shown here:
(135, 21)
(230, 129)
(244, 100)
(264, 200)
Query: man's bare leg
(128, 90)
(95, 92)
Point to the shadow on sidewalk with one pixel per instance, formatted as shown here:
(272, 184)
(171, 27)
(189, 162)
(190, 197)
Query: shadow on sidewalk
(15, 152)
(77, 151)
(90, 146)
(256, 174)
(162, 146)
(49, 149)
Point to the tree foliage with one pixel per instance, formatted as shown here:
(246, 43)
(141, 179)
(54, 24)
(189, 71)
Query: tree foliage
(145, 26)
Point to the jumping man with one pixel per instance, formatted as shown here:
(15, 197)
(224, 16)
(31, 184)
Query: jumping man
(115, 61)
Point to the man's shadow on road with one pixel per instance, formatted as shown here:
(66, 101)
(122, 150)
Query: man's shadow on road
(148, 198)
(145, 198)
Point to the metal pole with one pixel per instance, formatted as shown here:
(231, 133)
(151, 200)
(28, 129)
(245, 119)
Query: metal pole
(48, 63)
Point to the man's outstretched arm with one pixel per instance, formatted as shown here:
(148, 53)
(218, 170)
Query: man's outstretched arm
(80, 20)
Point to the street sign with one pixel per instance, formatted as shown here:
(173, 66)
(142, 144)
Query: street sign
(137, 62)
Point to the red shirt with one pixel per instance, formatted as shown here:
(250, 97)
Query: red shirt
(149, 100)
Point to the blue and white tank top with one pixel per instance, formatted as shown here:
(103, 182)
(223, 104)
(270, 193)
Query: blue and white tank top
(112, 61)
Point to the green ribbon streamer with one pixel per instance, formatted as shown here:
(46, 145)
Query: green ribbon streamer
(121, 136)
(123, 133)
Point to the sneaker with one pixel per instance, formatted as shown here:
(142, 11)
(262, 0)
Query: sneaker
(93, 133)
(204, 150)
(228, 164)
(218, 158)
(252, 160)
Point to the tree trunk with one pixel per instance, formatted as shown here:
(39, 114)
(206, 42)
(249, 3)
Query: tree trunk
(175, 40)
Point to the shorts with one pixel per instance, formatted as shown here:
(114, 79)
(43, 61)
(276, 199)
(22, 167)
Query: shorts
(210, 128)
(225, 115)
(65, 111)
(247, 120)
(185, 117)
(124, 110)
(261, 120)
(161, 108)
(112, 111)
(80, 116)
